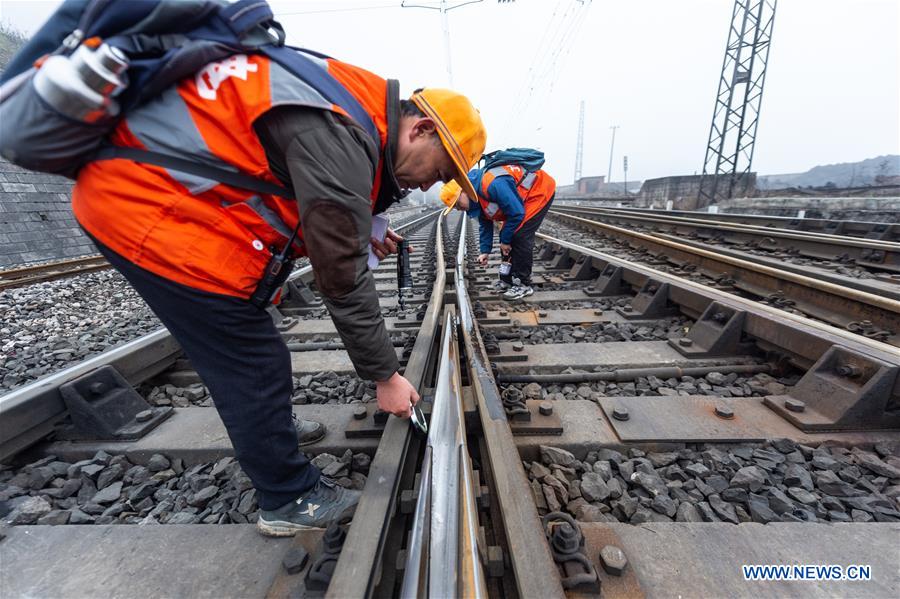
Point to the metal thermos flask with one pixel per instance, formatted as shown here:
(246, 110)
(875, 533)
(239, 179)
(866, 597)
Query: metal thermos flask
(81, 86)
(506, 264)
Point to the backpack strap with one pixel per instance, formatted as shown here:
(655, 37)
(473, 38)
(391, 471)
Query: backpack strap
(212, 173)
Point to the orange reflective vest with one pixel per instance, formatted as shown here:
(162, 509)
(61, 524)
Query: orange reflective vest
(535, 189)
(195, 231)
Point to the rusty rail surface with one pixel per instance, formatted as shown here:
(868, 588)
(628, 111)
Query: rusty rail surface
(27, 275)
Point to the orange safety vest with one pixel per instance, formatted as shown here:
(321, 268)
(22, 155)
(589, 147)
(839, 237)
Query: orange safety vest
(195, 231)
(535, 189)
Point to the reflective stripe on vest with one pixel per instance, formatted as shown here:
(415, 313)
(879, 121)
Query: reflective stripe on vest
(528, 180)
(490, 209)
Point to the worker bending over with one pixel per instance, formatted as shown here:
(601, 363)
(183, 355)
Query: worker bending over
(196, 249)
(518, 200)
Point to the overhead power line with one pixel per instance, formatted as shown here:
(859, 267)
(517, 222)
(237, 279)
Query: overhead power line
(329, 10)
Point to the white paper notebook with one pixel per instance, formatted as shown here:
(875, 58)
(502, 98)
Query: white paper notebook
(380, 224)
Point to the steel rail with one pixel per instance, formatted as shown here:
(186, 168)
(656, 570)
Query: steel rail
(454, 567)
(415, 572)
(884, 255)
(29, 413)
(361, 566)
(825, 301)
(534, 570)
(691, 219)
(803, 339)
(27, 275)
(851, 228)
(875, 285)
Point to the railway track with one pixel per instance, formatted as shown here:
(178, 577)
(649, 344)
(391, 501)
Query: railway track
(622, 432)
(884, 231)
(870, 307)
(872, 255)
(29, 275)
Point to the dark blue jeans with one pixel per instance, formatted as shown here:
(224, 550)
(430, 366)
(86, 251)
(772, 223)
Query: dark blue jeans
(522, 252)
(245, 364)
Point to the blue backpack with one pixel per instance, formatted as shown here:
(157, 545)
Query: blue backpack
(529, 159)
(164, 41)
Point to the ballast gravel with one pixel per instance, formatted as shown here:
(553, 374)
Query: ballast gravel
(111, 489)
(714, 384)
(49, 326)
(779, 481)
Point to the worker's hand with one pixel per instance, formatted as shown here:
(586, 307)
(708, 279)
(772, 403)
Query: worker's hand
(505, 249)
(396, 395)
(382, 249)
(483, 259)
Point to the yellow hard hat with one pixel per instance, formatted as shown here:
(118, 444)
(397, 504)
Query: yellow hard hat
(458, 125)
(450, 194)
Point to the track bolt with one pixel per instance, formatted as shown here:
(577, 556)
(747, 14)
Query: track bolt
(651, 289)
(566, 538)
(518, 346)
(503, 312)
(613, 560)
(143, 416)
(590, 289)
(723, 411)
(542, 314)
(794, 405)
(848, 371)
(621, 413)
(546, 408)
(294, 560)
(360, 413)
(333, 539)
(719, 317)
(97, 388)
(685, 342)
(598, 312)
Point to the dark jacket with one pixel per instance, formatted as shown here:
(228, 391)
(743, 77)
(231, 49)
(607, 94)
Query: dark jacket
(330, 163)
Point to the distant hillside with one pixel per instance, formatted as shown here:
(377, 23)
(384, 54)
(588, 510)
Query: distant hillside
(846, 174)
(11, 40)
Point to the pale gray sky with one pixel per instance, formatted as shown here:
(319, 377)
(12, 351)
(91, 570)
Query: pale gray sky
(650, 66)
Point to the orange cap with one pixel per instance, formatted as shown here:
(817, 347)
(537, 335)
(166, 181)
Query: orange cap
(459, 126)
(450, 195)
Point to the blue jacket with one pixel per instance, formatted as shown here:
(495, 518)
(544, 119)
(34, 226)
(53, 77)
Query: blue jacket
(502, 192)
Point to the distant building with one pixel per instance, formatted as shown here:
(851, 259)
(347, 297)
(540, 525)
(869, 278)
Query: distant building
(587, 185)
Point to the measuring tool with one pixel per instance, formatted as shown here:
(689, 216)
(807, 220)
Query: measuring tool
(404, 274)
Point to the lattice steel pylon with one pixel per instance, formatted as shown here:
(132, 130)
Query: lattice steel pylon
(732, 135)
(579, 146)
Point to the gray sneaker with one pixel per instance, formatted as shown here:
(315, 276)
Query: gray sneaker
(308, 431)
(517, 292)
(327, 502)
(500, 285)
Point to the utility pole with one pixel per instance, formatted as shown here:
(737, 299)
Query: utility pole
(612, 145)
(444, 7)
(625, 168)
(579, 145)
